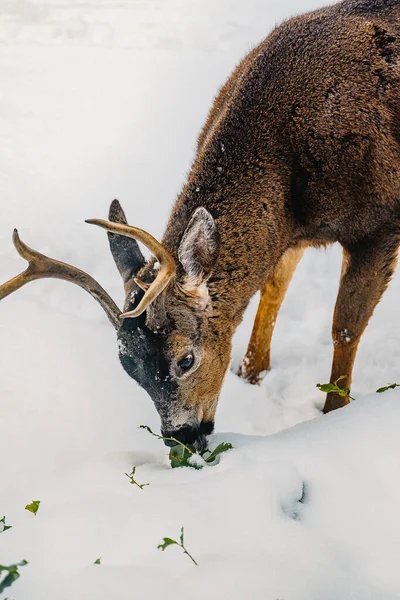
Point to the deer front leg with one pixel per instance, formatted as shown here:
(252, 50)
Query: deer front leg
(257, 359)
(366, 271)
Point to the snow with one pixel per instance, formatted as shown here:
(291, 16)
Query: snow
(104, 99)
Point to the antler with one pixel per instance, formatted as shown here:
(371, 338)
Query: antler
(41, 267)
(167, 263)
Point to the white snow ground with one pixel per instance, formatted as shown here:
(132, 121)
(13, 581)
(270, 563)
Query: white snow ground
(104, 99)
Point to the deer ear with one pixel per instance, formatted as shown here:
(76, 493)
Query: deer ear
(125, 251)
(199, 248)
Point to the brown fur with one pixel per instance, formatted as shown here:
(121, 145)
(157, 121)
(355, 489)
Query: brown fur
(301, 147)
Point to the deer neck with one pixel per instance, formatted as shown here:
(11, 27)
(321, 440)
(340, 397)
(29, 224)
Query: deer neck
(254, 230)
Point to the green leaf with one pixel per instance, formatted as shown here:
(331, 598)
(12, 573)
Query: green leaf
(13, 568)
(167, 542)
(327, 387)
(12, 574)
(222, 447)
(97, 561)
(333, 387)
(9, 580)
(387, 387)
(33, 507)
(182, 537)
(3, 526)
(179, 456)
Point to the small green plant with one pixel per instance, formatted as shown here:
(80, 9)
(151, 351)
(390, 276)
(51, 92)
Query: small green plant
(3, 526)
(387, 387)
(97, 561)
(33, 507)
(333, 387)
(186, 455)
(12, 574)
(170, 542)
(133, 481)
(222, 447)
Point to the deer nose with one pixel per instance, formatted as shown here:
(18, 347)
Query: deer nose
(189, 434)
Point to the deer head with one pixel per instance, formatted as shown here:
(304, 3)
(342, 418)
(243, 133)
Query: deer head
(169, 340)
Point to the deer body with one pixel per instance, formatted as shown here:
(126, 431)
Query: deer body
(301, 147)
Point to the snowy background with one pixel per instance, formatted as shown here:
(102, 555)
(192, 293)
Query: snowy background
(105, 99)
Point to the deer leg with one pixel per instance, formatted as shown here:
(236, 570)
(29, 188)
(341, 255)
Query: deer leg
(366, 272)
(257, 357)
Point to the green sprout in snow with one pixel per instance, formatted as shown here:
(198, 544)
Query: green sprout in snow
(170, 542)
(133, 481)
(333, 387)
(186, 455)
(387, 387)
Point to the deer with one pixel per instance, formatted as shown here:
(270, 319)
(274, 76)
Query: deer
(300, 148)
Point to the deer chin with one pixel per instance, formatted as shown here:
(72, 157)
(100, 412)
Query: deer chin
(201, 444)
(206, 429)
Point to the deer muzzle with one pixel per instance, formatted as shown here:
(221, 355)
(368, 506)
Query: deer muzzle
(190, 434)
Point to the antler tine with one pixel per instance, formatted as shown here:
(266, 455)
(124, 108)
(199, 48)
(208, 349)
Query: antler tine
(142, 284)
(167, 263)
(41, 267)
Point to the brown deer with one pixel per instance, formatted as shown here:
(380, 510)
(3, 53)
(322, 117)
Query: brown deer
(301, 148)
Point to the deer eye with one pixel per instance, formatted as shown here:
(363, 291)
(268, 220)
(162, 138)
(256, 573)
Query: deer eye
(186, 362)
